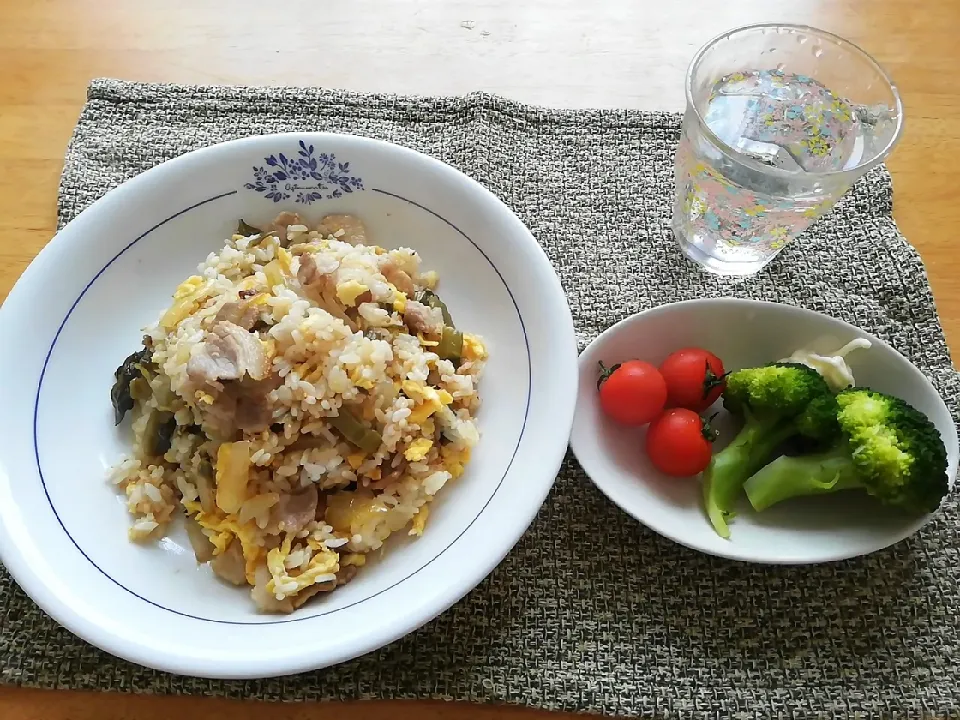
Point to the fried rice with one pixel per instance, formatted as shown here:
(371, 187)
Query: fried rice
(303, 397)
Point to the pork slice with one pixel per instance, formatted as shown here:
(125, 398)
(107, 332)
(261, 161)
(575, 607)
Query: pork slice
(311, 277)
(397, 277)
(294, 512)
(230, 565)
(346, 574)
(353, 229)
(251, 359)
(227, 352)
(280, 224)
(263, 599)
(253, 413)
(213, 360)
(242, 405)
(308, 592)
(321, 287)
(420, 318)
(241, 314)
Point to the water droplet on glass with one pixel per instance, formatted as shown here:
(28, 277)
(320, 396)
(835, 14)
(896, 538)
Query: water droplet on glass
(802, 39)
(817, 51)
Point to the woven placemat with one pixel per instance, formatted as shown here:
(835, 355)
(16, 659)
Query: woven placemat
(590, 612)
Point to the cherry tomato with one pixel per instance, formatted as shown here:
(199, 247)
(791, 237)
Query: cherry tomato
(632, 393)
(679, 442)
(694, 377)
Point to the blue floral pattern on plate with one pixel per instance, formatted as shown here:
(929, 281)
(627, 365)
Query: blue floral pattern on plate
(306, 178)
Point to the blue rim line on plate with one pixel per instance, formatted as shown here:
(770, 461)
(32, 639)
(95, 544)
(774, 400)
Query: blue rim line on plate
(36, 407)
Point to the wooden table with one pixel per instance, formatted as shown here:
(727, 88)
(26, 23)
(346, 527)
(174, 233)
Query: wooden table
(554, 52)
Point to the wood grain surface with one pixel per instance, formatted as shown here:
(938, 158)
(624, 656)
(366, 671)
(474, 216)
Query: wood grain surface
(565, 53)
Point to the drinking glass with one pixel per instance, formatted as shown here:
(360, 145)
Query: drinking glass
(780, 122)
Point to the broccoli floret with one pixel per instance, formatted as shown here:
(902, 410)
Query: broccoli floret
(776, 402)
(884, 446)
(817, 422)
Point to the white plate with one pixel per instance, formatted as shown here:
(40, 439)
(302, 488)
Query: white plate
(744, 333)
(77, 312)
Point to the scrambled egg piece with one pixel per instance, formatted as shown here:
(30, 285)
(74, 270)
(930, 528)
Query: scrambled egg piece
(455, 460)
(186, 301)
(356, 377)
(258, 299)
(222, 530)
(428, 428)
(355, 460)
(273, 270)
(418, 449)
(429, 279)
(399, 299)
(353, 559)
(419, 521)
(269, 348)
(324, 562)
(311, 370)
(349, 291)
(233, 474)
(203, 397)
(188, 287)
(428, 400)
(284, 258)
(259, 505)
(248, 283)
(473, 349)
(315, 544)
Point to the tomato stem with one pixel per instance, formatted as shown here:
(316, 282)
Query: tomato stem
(606, 372)
(711, 380)
(707, 430)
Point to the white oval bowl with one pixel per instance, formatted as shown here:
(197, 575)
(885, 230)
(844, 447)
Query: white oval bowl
(744, 333)
(78, 310)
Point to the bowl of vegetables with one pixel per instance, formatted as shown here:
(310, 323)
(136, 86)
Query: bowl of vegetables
(762, 432)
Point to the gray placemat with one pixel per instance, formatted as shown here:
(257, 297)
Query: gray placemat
(590, 612)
